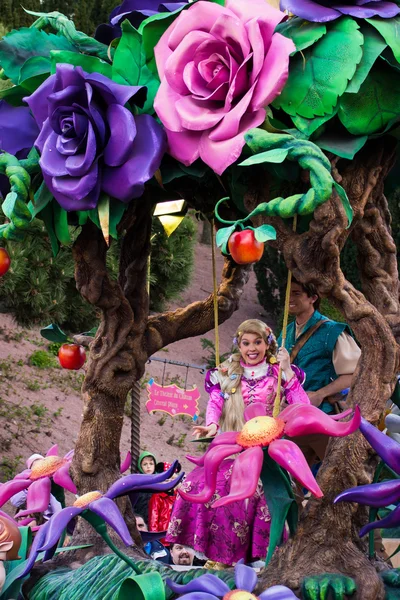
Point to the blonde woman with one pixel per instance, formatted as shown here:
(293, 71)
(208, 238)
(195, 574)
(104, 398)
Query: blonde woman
(239, 530)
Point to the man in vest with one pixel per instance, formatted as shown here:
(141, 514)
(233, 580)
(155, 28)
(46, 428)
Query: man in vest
(327, 353)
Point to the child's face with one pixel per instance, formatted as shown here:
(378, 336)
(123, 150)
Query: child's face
(148, 465)
(252, 348)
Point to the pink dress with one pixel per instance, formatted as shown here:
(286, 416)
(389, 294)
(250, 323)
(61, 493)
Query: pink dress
(241, 529)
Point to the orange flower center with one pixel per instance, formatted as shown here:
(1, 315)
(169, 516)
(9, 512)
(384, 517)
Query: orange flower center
(46, 467)
(239, 595)
(86, 499)
(260, 431)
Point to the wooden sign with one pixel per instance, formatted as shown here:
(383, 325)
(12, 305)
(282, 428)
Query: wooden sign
(172, 400)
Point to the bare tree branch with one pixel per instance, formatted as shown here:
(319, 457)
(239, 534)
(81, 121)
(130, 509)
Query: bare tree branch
(198, 317)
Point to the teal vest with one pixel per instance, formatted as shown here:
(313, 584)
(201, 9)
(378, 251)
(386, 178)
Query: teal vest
(315, 357)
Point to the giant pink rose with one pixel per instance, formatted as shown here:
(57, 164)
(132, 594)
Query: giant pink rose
(220, 66)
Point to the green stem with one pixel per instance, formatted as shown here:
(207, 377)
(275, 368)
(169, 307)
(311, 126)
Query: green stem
(119, 553)
(220, 219)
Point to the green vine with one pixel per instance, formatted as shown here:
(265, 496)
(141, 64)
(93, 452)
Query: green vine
(15, 205)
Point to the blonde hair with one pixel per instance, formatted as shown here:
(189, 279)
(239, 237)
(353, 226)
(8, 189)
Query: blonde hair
(231, 371)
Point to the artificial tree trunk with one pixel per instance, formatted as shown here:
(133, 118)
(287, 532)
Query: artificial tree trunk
(327, 538)
(125, 339)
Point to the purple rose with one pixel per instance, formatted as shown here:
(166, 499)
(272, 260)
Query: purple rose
(135, 11)
(219, 66)
(90, 142)
(18, 132)
(324, 11)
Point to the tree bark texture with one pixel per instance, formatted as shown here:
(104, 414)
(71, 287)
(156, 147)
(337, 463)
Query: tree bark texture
(125, 339)
(327, 539)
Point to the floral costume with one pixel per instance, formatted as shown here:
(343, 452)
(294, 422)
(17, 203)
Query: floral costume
(239, 530)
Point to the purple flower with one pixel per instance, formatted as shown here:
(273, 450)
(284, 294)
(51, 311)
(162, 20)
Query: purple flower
(324, 11)
(135, 11)
(18, 132)
(209, 587)
(90, 142)
(103, 506)
(380, 494)
(38, 481)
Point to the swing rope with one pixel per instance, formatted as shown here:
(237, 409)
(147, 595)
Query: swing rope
(277, 402)
(215, 290)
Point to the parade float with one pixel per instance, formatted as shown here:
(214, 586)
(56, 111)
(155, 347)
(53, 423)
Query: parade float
(279, 127)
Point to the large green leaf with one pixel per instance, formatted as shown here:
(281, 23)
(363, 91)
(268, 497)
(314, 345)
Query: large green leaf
(264, 233)
(90, 64)
(279, 500)
(117, 210)
(345, 146)
(310, 126)
(61, 224)
(22, 44)
(129, 64)
(223, 236)
(33, 72)
(270, 156)
(152, 29)
(374, 45)
(376, 104)
(390, 31)
(303, 33)
(52, 333)
(321, 75)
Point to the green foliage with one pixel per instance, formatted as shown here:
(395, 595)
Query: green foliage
(171, 262)
(210, 357)
(317, 79)
(9, 467)
(42, 359)
(40, 289)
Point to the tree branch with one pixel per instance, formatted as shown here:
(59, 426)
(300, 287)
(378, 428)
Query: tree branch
(198, 317)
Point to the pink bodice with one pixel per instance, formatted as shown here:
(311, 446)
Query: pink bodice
(258, 384)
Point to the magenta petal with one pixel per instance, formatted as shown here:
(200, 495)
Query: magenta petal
(312, 420)
(62, 478)
(196, 460)
(258, 409)
(126, 463)
(109, 512)
(8, 489)
(212, 461)
(245, 475)
(184, 145)
(24, 474)
(53, 451)
(38, 497)
(289, 456)
(228, 437)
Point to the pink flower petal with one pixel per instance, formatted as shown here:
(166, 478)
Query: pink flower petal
(220, 155)
(256, 9)
(38, 497)
(258, 409)
(197, 460)
(61, 477)
(184, 145)
(53, 451)
(164, 105)
(24, 474)
(289, 456)
(230, 30)
(274, 73)
(162, 51)
(176, 63)
(8, 489)
(198, 116)
(201, 15)
(69, 455)
(312, 420)
(257, 45)
(245, 475)
(212, 461)
(228, 437)
(126, 463)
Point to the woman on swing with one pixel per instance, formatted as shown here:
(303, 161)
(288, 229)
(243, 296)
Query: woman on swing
(239, 530)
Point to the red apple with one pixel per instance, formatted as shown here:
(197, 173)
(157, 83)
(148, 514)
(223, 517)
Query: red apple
(71, 356)
(244, 248)
(5, 261)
